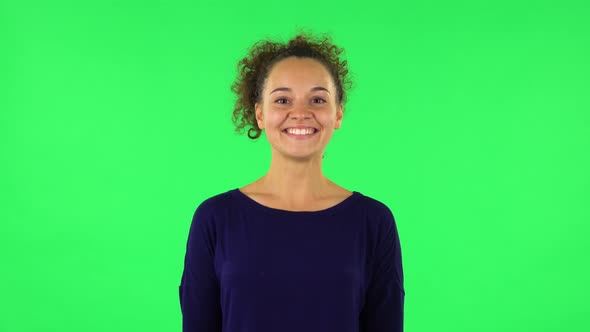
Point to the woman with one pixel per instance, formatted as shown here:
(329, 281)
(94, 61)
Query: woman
(292, 251)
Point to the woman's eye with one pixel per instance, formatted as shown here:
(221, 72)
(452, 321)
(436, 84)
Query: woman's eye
(323, 101)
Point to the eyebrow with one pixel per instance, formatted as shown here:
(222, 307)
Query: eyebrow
(315, 88)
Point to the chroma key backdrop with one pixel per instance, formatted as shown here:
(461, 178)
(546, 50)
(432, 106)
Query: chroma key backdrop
(469, 119)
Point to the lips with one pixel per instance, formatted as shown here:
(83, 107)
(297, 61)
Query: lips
(301, 137)
(300, 127)
(315, 129)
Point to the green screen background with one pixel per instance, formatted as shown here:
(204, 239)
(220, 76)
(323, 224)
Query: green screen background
(470, 120)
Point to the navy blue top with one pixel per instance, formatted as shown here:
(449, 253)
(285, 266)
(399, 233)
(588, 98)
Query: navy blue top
(253, 268)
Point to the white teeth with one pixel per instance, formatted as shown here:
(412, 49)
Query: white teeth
(294, 131)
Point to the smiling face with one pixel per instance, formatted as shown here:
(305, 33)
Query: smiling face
(299, 92)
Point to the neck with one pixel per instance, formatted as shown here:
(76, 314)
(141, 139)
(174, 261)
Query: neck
(296, 181)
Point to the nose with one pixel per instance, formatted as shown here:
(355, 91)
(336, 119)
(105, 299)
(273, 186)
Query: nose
(301, 112)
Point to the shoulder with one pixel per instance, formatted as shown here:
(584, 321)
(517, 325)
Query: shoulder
(210, 210)
(374, 207)
(214, 205)
(209, 214)
(379, 217)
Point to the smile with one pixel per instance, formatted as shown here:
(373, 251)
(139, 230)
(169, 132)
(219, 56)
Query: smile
(301, 137)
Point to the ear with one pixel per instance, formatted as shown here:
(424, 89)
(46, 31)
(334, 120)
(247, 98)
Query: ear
(339, 116)
(259, 120)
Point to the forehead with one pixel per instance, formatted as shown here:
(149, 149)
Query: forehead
(293, 71)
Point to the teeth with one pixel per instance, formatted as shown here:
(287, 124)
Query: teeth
(300, 131)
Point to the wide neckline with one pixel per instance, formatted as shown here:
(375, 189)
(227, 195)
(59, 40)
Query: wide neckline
(332, 209)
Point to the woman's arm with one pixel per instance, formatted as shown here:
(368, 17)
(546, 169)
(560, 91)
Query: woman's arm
(384, 305)
(199, 287)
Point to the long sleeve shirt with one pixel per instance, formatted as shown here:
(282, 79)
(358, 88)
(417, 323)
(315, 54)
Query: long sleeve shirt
(253, 268)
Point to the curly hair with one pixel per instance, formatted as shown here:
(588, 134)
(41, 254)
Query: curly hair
(254, 69)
